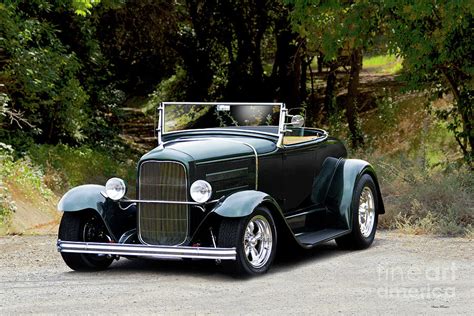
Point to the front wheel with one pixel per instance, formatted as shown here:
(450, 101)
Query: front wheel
(364, 216)
(254, 238)
(79, 226)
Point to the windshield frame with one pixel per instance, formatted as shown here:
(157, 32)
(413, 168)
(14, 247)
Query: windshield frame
(281, 122)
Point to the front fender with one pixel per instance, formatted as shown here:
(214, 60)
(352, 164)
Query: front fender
(242, 203)
(88, 197)
(83, 197)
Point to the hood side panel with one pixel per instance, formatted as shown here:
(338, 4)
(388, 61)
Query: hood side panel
(229, 176)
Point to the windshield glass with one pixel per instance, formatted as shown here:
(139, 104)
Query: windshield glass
(182, 116)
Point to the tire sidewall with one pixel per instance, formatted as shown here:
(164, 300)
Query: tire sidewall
(365, 181)
(72, 229)
(241, 257)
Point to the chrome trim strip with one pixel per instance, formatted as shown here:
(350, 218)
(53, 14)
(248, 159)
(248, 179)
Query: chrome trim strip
(164, 202)
(224, 159)
(224, 103)
(174, 252)
(221, 130)
(160, 125)
(169, 202)
(139, 200)
(233, 188)
(281, 125)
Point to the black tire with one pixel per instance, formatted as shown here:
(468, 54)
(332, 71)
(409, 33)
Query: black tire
(356, 240)
(232, 233)
(77, 226)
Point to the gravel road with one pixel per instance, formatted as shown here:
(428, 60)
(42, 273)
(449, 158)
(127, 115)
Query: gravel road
(398, 275)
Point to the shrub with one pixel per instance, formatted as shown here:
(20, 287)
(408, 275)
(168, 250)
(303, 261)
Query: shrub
(65, 167)
(419, 200)
(21, 174)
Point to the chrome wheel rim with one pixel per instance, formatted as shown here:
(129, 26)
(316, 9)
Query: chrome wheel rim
(258, 241)
(366, 212)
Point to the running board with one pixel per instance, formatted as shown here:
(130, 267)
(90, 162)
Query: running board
(313, 238)
(173, 252)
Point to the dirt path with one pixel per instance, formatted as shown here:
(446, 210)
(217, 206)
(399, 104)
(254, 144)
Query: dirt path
(398, 275)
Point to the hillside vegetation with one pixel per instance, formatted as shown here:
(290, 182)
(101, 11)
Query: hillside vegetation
(80, 79)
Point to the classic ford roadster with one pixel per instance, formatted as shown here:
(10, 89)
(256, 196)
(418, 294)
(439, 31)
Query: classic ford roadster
(257, 179)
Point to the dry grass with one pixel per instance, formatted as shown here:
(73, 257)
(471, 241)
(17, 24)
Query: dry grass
(426, 188)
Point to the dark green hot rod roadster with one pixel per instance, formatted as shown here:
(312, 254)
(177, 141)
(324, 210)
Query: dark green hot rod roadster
(234, 192)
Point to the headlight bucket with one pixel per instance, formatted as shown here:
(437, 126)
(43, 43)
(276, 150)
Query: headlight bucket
(201, 191)
(115, 188)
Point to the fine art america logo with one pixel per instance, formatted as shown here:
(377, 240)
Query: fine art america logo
(414, 282)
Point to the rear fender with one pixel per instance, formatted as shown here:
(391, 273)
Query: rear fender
(334, 186)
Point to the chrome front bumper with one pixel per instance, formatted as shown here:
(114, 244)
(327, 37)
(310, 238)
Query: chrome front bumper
(173, 252)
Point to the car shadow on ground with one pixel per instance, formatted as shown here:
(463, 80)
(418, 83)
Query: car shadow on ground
(208, 268)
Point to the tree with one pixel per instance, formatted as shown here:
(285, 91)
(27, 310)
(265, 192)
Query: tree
(435, 40)
(39, 74)
(336, 29)
(138, 40)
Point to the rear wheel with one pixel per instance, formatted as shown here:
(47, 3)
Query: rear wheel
(364, 216)
(254, 238)
(86, 227)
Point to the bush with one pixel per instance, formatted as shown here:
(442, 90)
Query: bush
(419, 200)
(42, 76)
(22, 175)
(65, 167)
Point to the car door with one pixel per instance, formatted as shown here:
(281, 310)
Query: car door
(300, 168)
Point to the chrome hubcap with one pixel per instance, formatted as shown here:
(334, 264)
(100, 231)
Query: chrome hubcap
(258, 241)
(366, 212)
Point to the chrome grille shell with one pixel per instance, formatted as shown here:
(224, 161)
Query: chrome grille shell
(158, 223)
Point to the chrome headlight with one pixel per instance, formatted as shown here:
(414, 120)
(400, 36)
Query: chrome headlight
(115, 188)
(201, 191)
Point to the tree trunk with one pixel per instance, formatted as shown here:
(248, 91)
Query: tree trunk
(351, 101)
(464, 105)
(311, 75)
(304, 78)
(320, 63)
(330, 87)
(287, 66)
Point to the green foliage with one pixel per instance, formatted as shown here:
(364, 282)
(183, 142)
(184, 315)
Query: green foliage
(387, 108)
(66, 166)
(171, 89)
(333, 27)
(378, 61)
(82, 7)
(41, 76)
(20, 174)
(7, 206)
(435, 41)
(388, 64)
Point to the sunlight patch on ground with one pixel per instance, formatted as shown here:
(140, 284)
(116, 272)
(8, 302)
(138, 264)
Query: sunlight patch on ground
(388, 64)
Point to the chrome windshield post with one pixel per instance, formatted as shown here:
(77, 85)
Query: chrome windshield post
(160, 127)
(281, 125)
